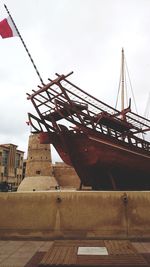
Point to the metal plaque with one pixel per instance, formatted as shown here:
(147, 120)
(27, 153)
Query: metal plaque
(92, 251)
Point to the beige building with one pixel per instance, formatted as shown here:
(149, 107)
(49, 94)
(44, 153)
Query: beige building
(11, 164)
(38, 161)
(41, 173)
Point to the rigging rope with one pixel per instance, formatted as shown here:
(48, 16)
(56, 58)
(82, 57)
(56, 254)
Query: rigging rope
(147, 109)
(118, 91)
(131, 87)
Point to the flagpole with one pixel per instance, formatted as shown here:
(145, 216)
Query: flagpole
(32, 61)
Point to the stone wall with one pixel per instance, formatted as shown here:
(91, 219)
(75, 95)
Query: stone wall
(75, 214)
(39, 158)
(65, 175)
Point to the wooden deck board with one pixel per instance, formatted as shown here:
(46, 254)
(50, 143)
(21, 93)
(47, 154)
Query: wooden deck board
(112, 260)
(142, 247)
(147, 257)
(35, 260)
(117, 247)
(120, 253)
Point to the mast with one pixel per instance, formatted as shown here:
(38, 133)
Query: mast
(122, 81)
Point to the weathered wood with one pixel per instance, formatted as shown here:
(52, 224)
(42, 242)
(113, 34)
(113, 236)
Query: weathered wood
(120, 247)
(35, 260)
(120, 253)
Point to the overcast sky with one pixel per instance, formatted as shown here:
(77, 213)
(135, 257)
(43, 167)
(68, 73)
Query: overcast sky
(84, 36)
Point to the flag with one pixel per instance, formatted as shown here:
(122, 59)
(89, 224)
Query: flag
(7, 28)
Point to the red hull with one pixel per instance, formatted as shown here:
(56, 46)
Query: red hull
(101, 162)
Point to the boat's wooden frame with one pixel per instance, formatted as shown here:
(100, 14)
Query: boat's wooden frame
(102, 144)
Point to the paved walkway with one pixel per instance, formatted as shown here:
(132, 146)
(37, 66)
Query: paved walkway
(19, 253)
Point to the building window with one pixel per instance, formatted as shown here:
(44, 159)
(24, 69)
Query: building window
(5, 157)
(17, 163)
(5, 171)
(38, 172)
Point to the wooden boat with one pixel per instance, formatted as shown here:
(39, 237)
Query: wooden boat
(101, 143)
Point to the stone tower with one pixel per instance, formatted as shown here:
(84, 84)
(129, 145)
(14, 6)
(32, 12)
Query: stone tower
(39, 162)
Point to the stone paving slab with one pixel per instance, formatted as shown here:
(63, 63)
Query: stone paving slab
(19, 253)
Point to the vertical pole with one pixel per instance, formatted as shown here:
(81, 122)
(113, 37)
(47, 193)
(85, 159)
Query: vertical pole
(32, 61)
(122, 81)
